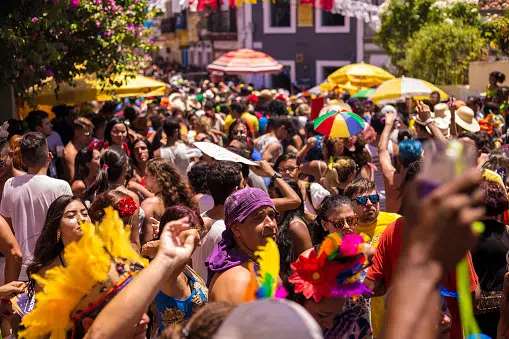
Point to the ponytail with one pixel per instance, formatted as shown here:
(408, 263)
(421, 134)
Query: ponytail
(100, 184)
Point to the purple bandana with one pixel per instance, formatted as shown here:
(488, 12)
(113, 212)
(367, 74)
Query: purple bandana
(237, 208)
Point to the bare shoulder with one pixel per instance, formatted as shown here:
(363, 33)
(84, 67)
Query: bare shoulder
(230, 285)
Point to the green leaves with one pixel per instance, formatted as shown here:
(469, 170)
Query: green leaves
(446, 51)
(402, 20)
(99, 34)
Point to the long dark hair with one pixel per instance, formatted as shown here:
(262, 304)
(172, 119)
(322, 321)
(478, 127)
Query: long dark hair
(113, 162)
(149, 147)
(109, 127)
(48, 247)
(84, 156)
(174, 191)
(329, 204)
(284, 239)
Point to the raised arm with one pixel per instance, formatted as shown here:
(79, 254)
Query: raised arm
(117, 321)
(425, 115)
(384, 156)
(290, 199)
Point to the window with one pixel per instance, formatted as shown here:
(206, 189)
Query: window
(286, 77)
(330, 19)
(280, 13)
(324, 68)
(328, 70)
(327, 22)
(280, 17)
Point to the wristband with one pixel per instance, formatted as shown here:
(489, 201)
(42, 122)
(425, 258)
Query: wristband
(429, 121)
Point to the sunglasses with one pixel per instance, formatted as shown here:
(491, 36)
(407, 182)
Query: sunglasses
(2, 163)
(339, 223)
(239, 132)
(285, 169)
(362, 201)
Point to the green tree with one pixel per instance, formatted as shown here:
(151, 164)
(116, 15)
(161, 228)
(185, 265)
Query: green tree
(496, 30)
(441, 53)
(66, 38)
(401, 19)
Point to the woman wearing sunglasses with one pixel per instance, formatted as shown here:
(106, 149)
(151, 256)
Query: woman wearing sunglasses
(337, 215)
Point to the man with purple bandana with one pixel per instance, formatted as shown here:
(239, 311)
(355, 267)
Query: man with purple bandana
(250, 218)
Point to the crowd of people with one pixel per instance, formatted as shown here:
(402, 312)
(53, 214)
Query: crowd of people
(181, 265)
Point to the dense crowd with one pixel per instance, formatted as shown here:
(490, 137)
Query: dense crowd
(368, 229)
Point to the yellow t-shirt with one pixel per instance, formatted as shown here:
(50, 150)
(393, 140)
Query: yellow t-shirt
(251, 119)
(374, 231)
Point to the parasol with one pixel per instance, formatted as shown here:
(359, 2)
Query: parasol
(402, 88)
(245, 61)
(336, 124)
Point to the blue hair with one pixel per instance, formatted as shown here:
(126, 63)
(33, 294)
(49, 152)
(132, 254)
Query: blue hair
(409, 151)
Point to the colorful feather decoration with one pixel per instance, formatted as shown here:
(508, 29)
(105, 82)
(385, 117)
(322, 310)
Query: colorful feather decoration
(264, 280)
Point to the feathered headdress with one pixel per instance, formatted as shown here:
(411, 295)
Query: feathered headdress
(96, 268)
(264, 280)
(335, 271)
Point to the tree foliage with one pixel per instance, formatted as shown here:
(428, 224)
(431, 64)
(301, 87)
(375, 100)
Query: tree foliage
(401, 19)
(496, 30)
(66, 38)
(441, 53)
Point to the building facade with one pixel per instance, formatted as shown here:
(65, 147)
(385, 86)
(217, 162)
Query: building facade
(309, 42)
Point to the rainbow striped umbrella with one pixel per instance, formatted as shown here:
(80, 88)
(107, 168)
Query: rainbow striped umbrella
(245, 61)
(336, 124)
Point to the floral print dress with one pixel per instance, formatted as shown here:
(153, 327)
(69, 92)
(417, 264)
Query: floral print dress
(175, 311)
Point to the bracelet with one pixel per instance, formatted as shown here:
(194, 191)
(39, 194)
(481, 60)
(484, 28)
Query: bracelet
(428, 121)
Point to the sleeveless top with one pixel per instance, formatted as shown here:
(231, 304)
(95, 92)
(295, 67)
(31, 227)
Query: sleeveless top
(379, 178)
(175, 311)
(265, 140)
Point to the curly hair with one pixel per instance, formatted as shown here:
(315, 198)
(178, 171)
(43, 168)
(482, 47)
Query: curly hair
(16, 151)
(342, 169)
(203, 324)
(197, 177)
(174, 192)
(110, 198)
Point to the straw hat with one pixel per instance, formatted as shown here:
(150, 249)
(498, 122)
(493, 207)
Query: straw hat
(465, 118)
(193, 103)
(442, 111)
(443, 125)
(175, 96)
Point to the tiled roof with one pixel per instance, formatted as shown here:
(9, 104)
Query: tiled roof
(493, 4)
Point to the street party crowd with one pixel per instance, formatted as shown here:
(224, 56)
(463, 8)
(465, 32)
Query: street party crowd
(225, 211)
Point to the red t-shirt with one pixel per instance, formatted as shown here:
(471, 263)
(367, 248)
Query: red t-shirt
(384, 266)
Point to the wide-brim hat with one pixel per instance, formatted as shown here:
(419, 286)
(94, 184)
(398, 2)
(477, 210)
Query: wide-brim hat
(442, 111)
(465, 118)
(443, 125)
(193, 103)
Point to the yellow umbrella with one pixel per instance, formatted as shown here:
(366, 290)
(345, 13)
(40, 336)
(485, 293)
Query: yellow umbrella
(402, 88)
(360, 75)
(329, 87)
(88, 88)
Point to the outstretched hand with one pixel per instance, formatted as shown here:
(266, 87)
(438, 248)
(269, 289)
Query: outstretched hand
(422, 111)
(173, 247)
(440, 225)
(264, 169)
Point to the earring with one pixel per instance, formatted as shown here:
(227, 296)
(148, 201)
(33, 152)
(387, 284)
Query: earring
(58, 235)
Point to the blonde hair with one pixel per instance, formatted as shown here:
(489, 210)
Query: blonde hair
(339, 172)
(16, 152)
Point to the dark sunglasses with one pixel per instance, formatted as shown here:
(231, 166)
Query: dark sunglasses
(339, 223)
(2, 163)
(289, 169)
(239, 132)
(362, 201)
